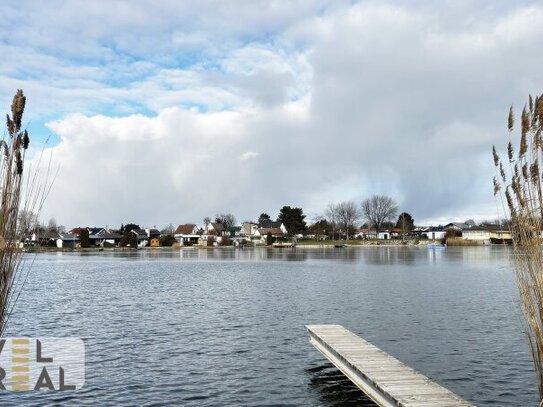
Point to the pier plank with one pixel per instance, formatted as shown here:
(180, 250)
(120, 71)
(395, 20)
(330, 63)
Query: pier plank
(385, 379)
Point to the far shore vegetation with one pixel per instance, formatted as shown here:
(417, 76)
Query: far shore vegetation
(375, 221)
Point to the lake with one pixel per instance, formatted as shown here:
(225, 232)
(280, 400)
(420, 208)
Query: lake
(226, 326)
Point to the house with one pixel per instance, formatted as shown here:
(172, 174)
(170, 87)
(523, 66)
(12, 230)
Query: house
(47, 238)
(214, 229)
(262, 234)
(187, 234)
(248, 228)
(458, 226)
(70, 240)
(154, 237)
(487, 234)
(500, 235)
(152, 233)
(436, 233)
(141, 237)
(103, 237)
(186, 229)
(366, 233)
(420, 231)
(385, 235)
(271, 224)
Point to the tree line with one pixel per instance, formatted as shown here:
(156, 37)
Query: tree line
(339, 219)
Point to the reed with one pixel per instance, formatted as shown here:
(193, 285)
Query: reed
(518, 184)
(17, 194)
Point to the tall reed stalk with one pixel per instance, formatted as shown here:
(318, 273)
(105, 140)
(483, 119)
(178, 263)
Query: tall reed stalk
(18, 195)
(519, 180)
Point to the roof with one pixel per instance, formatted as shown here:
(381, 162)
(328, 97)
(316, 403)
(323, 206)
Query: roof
(185, 229)
(95, 231)
(457, 225)
(270, 224)
(48, 235)
(487, 228)
(273, 231)
(104, 234)
(140, 232)
(69, 237)
(217, 226)
(154, 232)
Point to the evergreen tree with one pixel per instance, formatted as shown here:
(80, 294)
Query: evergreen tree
(84, 239)
(264, 217)
(293, 219)
(405, 223)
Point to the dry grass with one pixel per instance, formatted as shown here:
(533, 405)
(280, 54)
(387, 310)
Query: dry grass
(458, 241)
(519, 181)
(13, 149)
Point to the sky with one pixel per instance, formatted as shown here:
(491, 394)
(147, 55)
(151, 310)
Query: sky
(159, 112)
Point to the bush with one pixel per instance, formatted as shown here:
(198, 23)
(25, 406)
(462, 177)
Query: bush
(167, 240)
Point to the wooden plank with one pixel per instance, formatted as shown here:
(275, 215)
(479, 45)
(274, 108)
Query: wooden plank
(385, 379)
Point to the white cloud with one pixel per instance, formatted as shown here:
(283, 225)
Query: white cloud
(341, 101)
(248, 155)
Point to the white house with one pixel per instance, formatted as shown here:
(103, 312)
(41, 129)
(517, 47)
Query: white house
(477, 233)
(385, 235)
(436, 233)
(248, 228)
(187, 234)
(262, 234)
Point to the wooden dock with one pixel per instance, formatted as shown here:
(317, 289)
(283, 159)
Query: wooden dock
(386, 380)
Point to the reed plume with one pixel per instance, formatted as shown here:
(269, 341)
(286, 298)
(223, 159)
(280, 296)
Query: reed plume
(524, 205)
(18, 194)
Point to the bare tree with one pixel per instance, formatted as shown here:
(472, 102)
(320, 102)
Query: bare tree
(226, 219)
(27, 222)
(347, 215)
(379, 209)
(331, 215)
(52, 225)
(168, 229)
(207, 221)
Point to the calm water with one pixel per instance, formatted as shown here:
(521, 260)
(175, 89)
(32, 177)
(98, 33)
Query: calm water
(221, 327)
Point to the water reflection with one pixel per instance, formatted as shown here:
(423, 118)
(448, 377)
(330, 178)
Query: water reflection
(334, 389)
(369, 255)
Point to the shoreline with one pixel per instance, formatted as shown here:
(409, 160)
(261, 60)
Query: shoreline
(196, 247)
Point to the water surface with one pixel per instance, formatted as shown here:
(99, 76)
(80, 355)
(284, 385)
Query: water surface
(226, 327)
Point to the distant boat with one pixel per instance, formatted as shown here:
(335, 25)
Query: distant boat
(436, 246)
(281, 245)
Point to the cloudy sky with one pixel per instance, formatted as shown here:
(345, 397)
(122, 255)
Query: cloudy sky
(163, 112)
